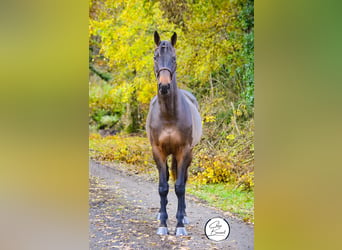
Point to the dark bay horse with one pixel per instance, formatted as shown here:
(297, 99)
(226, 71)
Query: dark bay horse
(173, 127)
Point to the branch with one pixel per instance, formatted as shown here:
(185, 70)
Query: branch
(104, 76)
(234, 120)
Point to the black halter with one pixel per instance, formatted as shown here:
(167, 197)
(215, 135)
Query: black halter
(165, 68)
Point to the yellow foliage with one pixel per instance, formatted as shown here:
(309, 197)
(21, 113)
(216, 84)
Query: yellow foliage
(230, 160)
(209, 118)
(216, 169)
(128, 149)
(231, 137)
(246, 181)
(238, 112)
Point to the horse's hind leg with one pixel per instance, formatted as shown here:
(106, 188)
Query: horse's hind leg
(183, 159)
(185, 219)
(160, 160)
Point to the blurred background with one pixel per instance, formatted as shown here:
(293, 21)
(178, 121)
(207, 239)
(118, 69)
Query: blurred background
(44, 125)
(45, 119)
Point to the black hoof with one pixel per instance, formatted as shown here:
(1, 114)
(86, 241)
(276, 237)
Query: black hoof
(162, 231)
(185, 220)
(181, 231)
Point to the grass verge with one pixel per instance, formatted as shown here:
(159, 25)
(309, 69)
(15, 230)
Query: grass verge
(227, 198)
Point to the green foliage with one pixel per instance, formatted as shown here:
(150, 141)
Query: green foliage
(109, 120)
(105, 105)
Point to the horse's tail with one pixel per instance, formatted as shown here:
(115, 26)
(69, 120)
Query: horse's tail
(174, 168)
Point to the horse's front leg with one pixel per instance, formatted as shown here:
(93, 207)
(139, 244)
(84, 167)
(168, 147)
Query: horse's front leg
(163, 189)
(174, 175)
(183, 161)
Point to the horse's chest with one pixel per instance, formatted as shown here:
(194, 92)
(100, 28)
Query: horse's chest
(169, 137)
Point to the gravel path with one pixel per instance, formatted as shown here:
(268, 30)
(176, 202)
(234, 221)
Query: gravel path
(122, 215)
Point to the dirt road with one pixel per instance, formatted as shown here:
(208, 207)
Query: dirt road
(122, 215)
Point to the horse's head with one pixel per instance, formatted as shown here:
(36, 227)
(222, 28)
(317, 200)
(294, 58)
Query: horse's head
(164, 62)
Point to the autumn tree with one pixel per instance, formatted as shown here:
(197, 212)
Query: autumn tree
(214, 53)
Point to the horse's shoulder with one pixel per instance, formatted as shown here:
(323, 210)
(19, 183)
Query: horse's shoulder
(195, 116)
(149, 118)
(189, 97)
(153, 104)
(153, 101)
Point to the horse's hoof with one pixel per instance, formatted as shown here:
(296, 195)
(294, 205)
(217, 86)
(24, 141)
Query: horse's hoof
(162, 231)
(181, 231)
(185, 220)
(158, 216)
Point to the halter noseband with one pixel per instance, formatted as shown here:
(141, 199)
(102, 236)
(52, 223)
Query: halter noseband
(165, 68)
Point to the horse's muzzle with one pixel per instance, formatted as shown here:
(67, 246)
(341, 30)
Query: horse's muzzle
(164, 88)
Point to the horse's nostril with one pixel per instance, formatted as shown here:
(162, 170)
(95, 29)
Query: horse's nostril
(164, 88)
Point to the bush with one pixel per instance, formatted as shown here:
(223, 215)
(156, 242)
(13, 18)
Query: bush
(105, 107)
(231, 160)
(133, 150)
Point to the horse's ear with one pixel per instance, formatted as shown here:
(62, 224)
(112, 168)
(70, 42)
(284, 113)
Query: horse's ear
(156, 38)
(174, 39)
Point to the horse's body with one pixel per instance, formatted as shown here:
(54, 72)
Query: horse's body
(196, 119)
(173, 127)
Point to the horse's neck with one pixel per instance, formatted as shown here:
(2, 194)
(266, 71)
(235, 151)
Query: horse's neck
(168, 104)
